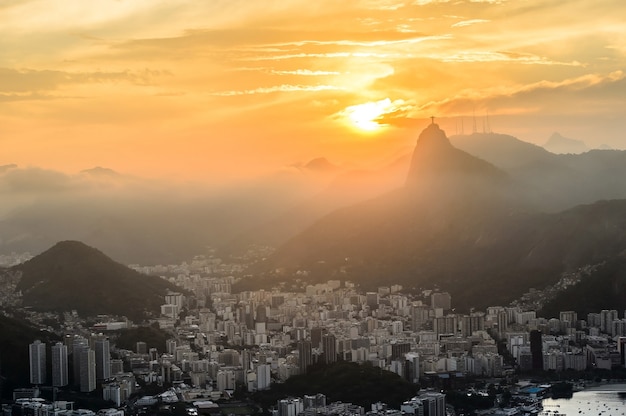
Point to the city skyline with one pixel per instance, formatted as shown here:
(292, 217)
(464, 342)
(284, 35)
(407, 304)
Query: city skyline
(297, 207)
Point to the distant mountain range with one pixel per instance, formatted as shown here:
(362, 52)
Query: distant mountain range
(551, 182)
(502, 209)
(72, 275)
(465, 224)
(347, 188)
(563, 145)
(147, 222)
(150, 222)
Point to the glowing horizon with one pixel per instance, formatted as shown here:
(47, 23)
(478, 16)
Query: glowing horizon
(195, 89)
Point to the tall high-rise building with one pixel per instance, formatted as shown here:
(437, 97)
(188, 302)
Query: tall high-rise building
(503, 323)
(419, 316)
(413, 367)
(246, 360)
(170, 346)
(371, 299)
(536, 349)
(434, 403)
(59, 365)
(446, 324)
(78, 344)
(305, 356)
(290, 407)
(618, 328)
(225, 380)
(261, 313)
(103, 359)
(606, 320)
(87, 369)
(329, 345)
(441, 300)
(472, 323)
(621, 348)
(316, 337)
(37, 355)
(399, 349)
(263, 377)
(174, 298)
(568, 318)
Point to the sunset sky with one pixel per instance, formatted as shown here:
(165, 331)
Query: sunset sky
(216, 88)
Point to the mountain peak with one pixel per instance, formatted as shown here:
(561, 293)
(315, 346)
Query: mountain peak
(562, 145)
(72, 245)
(320, 164)
(433, 135)
(73, 275)
(435, 159)
(70, 251)
(99, 171)
(6, 168)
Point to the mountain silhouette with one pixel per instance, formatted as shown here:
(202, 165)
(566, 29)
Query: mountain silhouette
(502, 150)
(436, 160)
(72, 275)
(346, 189)
(320, 164)
(459, 223)
(551, 182)
(564, 145)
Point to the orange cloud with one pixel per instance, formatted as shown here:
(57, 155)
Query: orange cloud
(199, 88)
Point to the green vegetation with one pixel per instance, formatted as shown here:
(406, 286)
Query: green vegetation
(151, 335)
(604, 289)
(72, 275)
(468, 403)
(361, 384)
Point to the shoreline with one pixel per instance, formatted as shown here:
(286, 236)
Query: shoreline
(606, 386)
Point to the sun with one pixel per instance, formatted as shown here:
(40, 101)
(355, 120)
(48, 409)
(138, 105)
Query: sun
(365, 116)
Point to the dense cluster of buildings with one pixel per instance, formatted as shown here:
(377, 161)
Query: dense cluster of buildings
(223, 341)
(428, 403)
(91, 369)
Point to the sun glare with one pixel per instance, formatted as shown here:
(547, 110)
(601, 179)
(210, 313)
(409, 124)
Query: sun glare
(365, 116)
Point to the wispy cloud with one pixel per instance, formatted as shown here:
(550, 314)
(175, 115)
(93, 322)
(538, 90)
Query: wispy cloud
(369, 44)
(515, 99)
(304, 55)
(305, 72)
(531, 96)
(278, 88)
(470, 22)
(23, 80)
(499, 56)
(31, 96)
(129, 76)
